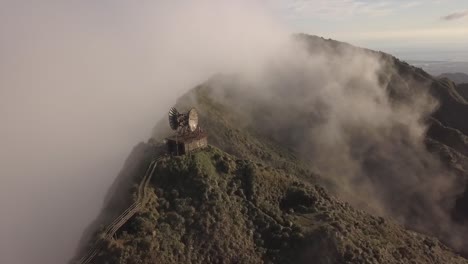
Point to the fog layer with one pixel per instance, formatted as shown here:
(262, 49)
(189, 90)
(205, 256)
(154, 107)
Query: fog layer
(81, 82)
(361, 125)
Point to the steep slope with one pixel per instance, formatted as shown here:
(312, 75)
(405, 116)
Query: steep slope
(449, 136)
(453, 106)
(211, 207)
(462, 89)
(119, 195)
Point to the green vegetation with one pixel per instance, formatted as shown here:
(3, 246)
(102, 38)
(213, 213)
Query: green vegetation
(210, 207)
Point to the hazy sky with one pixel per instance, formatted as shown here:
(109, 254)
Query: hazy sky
(381, 24)
(83, 81)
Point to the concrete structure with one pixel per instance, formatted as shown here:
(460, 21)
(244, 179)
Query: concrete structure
(184, 144)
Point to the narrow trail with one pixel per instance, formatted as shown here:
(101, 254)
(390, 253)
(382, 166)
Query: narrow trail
(123, 217)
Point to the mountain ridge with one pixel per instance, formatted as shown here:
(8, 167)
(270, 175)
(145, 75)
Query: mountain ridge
(254, 145)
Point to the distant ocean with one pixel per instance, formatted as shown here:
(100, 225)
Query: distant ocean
(433, 55)
(436, 62)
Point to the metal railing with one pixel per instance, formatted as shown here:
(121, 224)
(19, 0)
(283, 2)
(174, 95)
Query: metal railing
(123, 217)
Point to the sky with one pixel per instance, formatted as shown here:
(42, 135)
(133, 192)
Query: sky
(394, 26)
(83, 81)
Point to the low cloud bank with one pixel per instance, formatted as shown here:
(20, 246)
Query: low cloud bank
(362, 125)
(83, 82)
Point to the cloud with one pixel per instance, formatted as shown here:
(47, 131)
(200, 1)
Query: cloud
(451, 36)
(455, 16)
(417, 33)
(81, 83)
(411, 4)
(299, 9)
(337, 9)
(333, 106)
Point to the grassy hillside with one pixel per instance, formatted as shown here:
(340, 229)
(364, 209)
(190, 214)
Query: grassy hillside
(211, 207)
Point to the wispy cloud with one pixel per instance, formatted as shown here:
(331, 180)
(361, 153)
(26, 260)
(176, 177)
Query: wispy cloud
(338, 8)
(411, 4)
(343, 8)
(456, 15)
(454, 33)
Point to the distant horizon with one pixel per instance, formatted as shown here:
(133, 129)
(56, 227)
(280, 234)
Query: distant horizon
(434, 60)
(415, 30)
(431, 25)
(415, 53)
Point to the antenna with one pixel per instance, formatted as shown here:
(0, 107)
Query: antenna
(173, 118)
(187, 122)
(192, 119)
(188, 135)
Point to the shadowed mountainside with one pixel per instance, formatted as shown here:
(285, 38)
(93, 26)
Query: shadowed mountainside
(462, 89)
